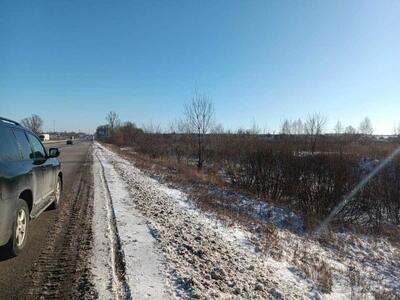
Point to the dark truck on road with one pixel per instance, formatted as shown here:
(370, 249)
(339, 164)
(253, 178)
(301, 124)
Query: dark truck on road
(30, 182)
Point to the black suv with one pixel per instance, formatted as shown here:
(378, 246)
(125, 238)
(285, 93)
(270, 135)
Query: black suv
(30, 182)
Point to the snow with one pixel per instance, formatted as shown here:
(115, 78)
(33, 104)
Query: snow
(199, 256)
(261, 210)
(102, 266)
(144, 264)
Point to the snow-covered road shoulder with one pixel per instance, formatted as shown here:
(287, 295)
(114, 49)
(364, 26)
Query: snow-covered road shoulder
(126, 262)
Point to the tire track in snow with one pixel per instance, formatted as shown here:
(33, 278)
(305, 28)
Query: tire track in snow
(146, 270)
(118, 265)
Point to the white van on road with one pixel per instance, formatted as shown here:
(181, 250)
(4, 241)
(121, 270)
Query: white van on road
(44, 137)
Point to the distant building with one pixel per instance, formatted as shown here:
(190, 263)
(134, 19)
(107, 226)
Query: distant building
(103, 131)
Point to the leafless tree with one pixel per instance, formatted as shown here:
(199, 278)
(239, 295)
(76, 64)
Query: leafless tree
(350, 130)
(396, 130)
(338, 129)
(33, 123)
(314, 127)
(199, 119)
(130, 132)
(255, 129)
(152, 128)
(172, 127)
(366, 127)
(112, 120)
(286, 127)
(298, 127)
(289, 127)
(218, 129)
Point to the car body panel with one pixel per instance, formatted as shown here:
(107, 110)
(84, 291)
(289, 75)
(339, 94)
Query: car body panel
(6, 205)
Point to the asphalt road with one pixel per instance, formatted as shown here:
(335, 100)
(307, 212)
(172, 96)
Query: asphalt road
(13, 271)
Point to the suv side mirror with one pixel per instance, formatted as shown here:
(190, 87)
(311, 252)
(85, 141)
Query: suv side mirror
(54, 152)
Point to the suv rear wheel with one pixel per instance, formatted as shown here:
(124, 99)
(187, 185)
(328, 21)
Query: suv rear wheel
(20, 229)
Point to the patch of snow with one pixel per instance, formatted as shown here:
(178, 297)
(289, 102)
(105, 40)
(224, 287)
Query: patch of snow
(144, 264)
(262, 210)
(367, 165)
(101, 261)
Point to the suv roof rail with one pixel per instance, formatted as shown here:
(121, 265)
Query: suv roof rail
(5, 120)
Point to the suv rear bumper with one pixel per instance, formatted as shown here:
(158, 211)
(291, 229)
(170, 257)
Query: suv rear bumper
(6, 217)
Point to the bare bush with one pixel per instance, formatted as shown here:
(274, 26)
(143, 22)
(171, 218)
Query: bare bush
(126, 135)
(314, 268)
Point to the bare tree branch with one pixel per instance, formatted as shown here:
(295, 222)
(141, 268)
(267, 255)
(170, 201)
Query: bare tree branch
(112, 120)
(314, 127)
(199, 119)
(33, 123)
(366, 127)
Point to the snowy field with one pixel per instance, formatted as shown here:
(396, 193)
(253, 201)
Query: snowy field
(151, 241)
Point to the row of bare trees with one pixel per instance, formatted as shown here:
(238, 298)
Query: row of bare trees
(317, 123)
(302, 168)
(396, 130)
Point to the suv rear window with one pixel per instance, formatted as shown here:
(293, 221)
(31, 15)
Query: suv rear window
(8, 145)
(24, 144)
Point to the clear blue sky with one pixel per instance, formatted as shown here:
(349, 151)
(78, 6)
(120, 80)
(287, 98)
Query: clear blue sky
(260, 61)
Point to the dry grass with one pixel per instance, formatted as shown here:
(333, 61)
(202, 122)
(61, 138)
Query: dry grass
(314, 268)
(269, 241)
(178, 172)
(392, 233)
(385, 296)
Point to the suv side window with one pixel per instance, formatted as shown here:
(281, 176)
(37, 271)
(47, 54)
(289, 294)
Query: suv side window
(8, 146)
(38, 150)
(23, 144)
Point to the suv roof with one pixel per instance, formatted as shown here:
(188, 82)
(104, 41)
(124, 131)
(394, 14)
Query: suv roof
(8, 121)
(11, 123)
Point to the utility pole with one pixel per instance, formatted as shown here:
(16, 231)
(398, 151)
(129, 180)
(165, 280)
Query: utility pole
(54, 126)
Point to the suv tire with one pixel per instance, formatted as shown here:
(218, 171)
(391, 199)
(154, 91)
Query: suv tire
(19, 234)
(57, 194)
